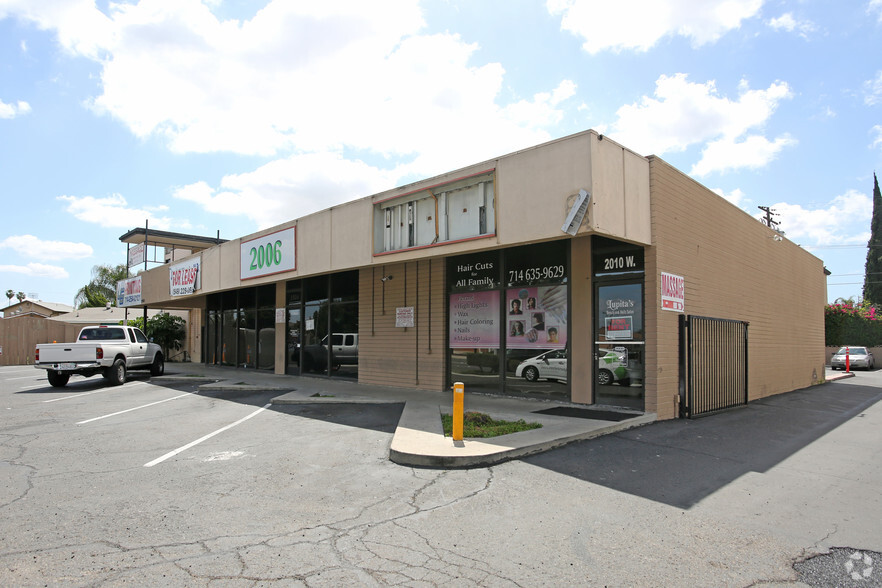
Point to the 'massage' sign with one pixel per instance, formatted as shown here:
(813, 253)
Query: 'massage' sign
(673, 292)
(269, 254)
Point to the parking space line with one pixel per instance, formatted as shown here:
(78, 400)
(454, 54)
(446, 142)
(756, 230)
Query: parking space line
(131, 409)
(87, 393)
(74, 395)
(206, 437)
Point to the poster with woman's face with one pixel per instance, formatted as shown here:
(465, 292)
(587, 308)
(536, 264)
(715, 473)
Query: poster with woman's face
(536, 317)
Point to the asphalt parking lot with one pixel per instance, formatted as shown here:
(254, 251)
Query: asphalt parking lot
(148, 485)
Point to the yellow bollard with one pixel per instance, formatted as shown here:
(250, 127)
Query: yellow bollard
(458, 401)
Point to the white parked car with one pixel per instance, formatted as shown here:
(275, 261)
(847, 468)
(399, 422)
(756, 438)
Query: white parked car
(858, 357)
(551, 365)
(612, 367)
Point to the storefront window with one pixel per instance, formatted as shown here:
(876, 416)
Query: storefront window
(536, 360)
(247, 349)
(512, 330)
(474, 321)
(266, 328)
(293, 328)
(211, 339)
(344, 325)
(314, 356)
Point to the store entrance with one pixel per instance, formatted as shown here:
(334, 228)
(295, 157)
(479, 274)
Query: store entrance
(619, 333)
(619, 345)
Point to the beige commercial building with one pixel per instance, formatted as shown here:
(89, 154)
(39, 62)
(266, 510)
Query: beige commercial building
(575, 270)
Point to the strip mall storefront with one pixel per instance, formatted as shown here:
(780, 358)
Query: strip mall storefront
(558, 272)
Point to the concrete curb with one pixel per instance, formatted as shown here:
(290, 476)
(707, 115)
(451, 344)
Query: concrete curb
(841, 376)
(419, 440)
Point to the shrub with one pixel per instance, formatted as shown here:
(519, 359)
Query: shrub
(846, 323)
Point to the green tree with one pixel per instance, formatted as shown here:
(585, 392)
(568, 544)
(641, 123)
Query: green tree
(20, 296)
(10, 294)
(102, 288)
(137, 322)
(167, 331)
(873, 268)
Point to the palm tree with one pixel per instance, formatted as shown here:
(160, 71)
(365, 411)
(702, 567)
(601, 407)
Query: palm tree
(20, 296)
(10, 294)
(102, 288)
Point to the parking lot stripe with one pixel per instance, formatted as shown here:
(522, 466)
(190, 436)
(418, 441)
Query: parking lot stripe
(206, 437)
(75, 395)
(131, 409)
(128, 386)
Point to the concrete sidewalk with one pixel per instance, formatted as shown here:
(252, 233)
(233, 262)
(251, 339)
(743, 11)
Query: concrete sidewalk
(419, 439)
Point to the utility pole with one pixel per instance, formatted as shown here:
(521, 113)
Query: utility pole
(767, 219)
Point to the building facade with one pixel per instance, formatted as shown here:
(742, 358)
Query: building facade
(561, 272)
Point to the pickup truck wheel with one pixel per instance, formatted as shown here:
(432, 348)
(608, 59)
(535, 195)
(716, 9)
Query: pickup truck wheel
(58, 380)
(158, 367)
(116, 375)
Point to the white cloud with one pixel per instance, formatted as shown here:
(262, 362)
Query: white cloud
(873, 89)
(640, 24)
(298, 77)
(301, 81)
(114, 212)
(837, 224)
(875, 6)
(13, 110)
(736, 196)
(728, 154)
(787, 23)
(82, 28)
(31, 246)
(39, 270)
(288, 188)
(683, 113)
(877, 140)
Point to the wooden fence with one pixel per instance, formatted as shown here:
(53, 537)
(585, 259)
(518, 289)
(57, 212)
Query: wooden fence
(19, 336)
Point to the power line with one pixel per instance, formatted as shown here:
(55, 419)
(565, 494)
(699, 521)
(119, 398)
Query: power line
(851, 283)
(838, 246)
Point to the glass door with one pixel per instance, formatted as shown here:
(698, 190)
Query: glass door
(619, 345)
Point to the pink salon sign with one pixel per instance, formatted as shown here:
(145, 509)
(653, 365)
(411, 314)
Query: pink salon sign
(474, 320)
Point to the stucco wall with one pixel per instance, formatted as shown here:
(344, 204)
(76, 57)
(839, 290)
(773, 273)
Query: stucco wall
(733, 269)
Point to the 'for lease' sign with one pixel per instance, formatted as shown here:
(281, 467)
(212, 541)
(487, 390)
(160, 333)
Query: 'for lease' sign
(184, 278)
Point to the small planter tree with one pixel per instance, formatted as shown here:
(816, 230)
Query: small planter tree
(167, 331)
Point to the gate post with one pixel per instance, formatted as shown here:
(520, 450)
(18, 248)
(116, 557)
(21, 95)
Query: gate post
(682, 405)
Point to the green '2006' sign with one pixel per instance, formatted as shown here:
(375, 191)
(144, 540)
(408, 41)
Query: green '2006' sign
(268, 254)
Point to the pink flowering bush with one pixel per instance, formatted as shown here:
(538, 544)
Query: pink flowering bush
(849, 323)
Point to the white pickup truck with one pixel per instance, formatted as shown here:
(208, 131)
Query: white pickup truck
(106, 350)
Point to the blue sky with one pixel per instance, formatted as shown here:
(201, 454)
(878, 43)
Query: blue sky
(232, 116)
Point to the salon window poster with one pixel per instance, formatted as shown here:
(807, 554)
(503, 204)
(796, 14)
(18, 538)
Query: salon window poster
(474, 320)
(536, 317)
(620, 310)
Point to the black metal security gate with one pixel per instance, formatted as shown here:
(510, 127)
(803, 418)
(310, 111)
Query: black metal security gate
(713, 365)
